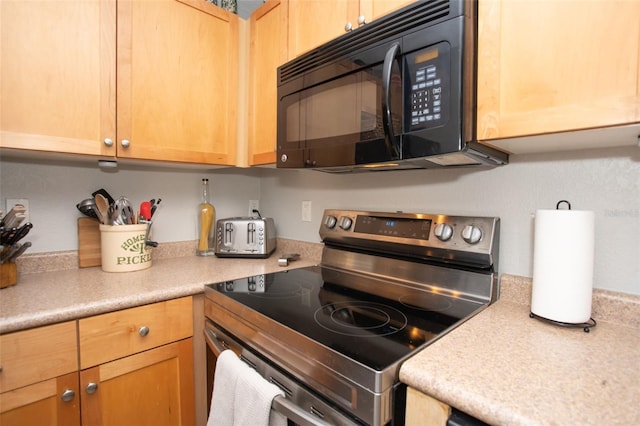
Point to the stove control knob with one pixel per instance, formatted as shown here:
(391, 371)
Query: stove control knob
(472, 234)
(345, 223)
(330, 222)
(443, 231)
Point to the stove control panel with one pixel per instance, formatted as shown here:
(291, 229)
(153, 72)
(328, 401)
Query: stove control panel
(435, 236)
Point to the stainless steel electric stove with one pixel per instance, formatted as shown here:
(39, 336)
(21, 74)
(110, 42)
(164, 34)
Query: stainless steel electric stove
(334, 336)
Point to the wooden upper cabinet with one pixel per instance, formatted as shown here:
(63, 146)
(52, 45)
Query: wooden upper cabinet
(554, 66)
(314, 22)
(267, 51)
(57, 76)
(374, 9)
(177, 81)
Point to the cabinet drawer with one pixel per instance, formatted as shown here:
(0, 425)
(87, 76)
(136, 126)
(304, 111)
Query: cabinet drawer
(38, 354)
(118, 334)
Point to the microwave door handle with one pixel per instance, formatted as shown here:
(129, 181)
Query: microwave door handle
(387, 124)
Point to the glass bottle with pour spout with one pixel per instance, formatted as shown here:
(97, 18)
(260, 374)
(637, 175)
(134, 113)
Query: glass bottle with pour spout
(206, 221)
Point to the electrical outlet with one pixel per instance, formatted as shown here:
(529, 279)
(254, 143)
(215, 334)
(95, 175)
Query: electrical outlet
(253, 205)
(306, 211)
(11, 202)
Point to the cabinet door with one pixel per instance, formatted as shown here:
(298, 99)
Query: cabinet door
(268, 50)
(551, 66)
(57, 76)
(150, 388)
(177, 81)
(48, 403)
(371, 10)
(314, 22)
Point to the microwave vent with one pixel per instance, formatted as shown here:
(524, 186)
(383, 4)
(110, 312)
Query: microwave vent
(418, 14)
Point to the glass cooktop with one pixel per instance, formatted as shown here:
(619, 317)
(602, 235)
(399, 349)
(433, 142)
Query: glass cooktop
(367, 327)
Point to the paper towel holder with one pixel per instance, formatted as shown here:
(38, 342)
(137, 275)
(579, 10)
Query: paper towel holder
(586, 326)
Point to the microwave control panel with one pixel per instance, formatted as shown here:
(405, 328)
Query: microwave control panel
(429, 92)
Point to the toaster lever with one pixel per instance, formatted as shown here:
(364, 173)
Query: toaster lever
(251, 233)
(228, 233)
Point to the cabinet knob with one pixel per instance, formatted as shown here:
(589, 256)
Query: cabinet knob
(143, 331)
(125, 143)
(362, 20)
(108, 142)
(91, 388)
(348, 27)
(68, 395)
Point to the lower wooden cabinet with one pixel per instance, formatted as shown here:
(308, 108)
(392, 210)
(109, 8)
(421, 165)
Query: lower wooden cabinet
(47, 403)
(39, 377)
(130, 367)
(137, 365)
(425, 410)
(154, 387)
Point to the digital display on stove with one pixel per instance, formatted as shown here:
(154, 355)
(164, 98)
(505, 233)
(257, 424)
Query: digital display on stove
(394, 227)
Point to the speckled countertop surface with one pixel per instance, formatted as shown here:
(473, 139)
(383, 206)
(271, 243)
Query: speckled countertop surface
(48, 297)
(506, 368)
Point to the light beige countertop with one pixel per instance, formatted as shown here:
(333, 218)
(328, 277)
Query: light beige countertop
(47, 296)
(506, 368)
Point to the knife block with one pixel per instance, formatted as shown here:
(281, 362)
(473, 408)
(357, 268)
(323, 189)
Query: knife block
(8, 275)
(89, 248)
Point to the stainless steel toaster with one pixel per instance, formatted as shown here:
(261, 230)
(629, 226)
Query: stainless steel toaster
(245, 237)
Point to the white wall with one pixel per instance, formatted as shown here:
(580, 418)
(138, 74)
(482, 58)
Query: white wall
(606, 182)
(54, 189)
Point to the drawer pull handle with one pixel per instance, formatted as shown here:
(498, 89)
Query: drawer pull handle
(144, 330)
(68, 395)
(92, 388)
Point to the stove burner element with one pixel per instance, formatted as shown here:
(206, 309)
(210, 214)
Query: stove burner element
(360, 319)
(426, 302)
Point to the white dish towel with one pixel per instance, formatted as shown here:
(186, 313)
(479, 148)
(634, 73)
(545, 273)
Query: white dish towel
(241, 397)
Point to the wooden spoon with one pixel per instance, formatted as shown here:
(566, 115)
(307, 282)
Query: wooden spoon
(102, 206)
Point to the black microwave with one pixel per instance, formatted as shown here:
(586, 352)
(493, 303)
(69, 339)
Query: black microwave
(399, 93)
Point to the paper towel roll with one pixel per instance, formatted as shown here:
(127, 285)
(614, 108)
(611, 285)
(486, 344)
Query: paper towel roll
(563, 265)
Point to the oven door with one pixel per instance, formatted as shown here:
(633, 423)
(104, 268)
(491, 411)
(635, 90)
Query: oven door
(299, 405)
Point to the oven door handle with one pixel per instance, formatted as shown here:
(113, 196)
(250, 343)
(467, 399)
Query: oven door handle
(279, 404)
(214, 342)
(296, 414)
